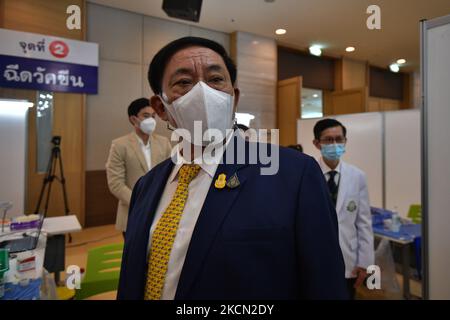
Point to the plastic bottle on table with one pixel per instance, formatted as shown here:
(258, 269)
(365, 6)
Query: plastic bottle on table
(396, 221)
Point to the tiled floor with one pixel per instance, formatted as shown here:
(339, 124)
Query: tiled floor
(415, 291)
(76, 254)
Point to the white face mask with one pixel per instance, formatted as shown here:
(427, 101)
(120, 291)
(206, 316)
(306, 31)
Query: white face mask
(212, 107)
(148, 125)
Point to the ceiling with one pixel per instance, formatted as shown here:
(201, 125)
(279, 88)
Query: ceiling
(330, 23)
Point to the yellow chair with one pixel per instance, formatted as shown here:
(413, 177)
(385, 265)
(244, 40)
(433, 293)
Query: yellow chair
(64, 293)
(415, 213)
(102, 271)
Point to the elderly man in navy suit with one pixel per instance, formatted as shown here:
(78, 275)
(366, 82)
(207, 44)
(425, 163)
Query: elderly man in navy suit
(209, 230)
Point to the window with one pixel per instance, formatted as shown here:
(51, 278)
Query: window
(44, 125)
(312, 103)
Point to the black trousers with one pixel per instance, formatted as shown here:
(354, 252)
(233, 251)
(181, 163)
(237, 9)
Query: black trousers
(350, 286)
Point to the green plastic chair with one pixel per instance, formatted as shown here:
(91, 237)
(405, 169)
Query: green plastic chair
(415, 213)
(102, 271)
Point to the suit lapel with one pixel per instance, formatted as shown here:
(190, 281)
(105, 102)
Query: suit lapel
(153, 195)
(139, 239)
(138, 151)
(343, 177)
(216, 207)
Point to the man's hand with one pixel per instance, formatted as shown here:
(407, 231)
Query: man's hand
(360, 274)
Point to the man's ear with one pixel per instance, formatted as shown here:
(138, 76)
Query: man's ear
(237, 93)
(317, 144)
(158, 106)
(133, 120)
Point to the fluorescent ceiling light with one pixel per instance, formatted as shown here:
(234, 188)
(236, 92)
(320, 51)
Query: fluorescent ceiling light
(394, 67)
(315, 50)
(280, 31)
(14, 107)
(350, 49)
(15, 103)
(312, 115)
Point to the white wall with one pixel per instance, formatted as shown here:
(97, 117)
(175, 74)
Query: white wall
(403, 165)
(13, 154)
(128, 41)
(437, 141)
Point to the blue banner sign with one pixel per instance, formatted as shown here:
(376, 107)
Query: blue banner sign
(38, 62)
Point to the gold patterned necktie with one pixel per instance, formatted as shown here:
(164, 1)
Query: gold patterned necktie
(165, 232)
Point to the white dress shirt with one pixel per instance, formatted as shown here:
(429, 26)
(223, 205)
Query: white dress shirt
(326, 171)
(146, 150)
(197, 191)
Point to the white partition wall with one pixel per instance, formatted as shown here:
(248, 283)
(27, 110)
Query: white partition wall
(364, 150)
(13, 153)
(436, 156)
(402, 154)
(364, 147)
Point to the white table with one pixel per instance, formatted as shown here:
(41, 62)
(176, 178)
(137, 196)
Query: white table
(61, 225)
(51, 226)
(56, 228)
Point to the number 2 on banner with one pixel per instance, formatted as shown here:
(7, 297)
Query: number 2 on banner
(59, 49)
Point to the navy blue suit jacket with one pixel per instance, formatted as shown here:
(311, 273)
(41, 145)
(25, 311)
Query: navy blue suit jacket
(273, 237)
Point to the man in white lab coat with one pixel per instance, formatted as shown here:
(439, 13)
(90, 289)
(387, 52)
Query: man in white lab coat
(348, 190)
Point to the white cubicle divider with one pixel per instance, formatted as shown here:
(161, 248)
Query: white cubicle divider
(364, 147)
(402, 154)
(13, 153)
(435, 65)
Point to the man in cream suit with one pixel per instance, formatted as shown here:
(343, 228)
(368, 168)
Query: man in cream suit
(133, 155)
(348, 190)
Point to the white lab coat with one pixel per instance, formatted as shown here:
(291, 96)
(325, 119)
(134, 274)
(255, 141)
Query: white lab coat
(354, 218)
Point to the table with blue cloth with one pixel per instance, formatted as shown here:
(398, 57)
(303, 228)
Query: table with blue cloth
(409, 234)
(29, 288)
(29, 291)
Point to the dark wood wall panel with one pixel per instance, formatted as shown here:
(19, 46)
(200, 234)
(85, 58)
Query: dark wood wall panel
(101, 205)
(385, 84)
(316, 72)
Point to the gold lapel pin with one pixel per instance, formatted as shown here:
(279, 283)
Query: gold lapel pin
(233, 182)
(221, 181)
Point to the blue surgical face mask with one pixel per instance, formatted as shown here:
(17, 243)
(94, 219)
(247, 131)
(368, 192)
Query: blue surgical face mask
(332, 151)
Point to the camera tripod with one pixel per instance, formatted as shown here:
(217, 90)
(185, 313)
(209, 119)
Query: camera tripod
(55, 159)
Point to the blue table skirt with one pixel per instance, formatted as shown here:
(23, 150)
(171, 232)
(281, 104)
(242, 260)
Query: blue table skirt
(18, 292)
(407, 231)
